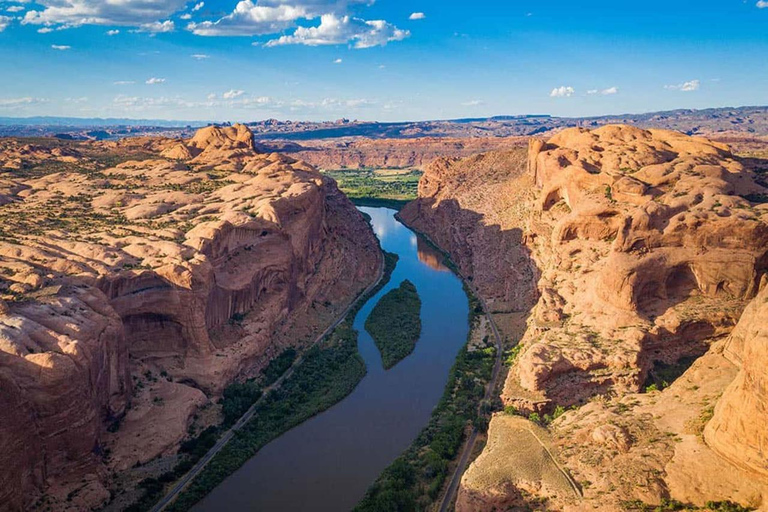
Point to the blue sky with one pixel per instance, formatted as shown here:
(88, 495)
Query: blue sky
(385, 60)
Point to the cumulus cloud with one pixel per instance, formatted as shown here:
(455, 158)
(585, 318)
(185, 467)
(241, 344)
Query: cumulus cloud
(75, 13)
(155, 81)
(157, 27)
(339, 30)
(264, 17)
(417, 16)
(232, 94)
(198, 6)
(44, 30)
(690, 86)
(200, 56)
(4, 22)
(762, 4)
(338, 61)
(112, 32)
(61, 47)
(605, 92)
(15, 8)
(250, 19)
(562, 92)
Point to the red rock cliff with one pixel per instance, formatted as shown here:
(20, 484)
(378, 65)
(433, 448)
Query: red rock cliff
(109, 273)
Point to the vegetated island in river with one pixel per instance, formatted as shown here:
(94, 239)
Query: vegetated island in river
(395, 323)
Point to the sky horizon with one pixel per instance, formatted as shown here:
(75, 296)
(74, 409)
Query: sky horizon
(380, 60)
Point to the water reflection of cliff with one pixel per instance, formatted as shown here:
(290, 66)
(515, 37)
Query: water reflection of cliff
(429, 256)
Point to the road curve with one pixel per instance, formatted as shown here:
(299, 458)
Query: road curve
(245, 418)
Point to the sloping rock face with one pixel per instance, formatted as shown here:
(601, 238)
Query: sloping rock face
(188, 266)
(738, 429)
(474, 207)
(645, 247)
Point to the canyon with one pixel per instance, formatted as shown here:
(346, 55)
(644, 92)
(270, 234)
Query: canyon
(629, 267)
(626, 268)
(137, 279)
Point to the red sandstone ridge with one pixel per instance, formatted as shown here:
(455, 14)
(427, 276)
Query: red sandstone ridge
(644, 247)
(131, 260)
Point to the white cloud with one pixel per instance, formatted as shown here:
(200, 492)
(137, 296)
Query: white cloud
(185, 16)
(16, 103)
(200, 56)
(112, 32)
(124, 82)
(75, 13)
(250, 19)
(211, 96)
(473, 103)
(154, 81)
(4, 22)
(417, 16)
(232, 94)
(61, 47)
(562, 92)
(605, 92)
(762, 4)
(264, 17)
(44, 30)
(15, 8)
(198, 6)
(690, 86)
(339, 30)
(157, 27)
(338, 61)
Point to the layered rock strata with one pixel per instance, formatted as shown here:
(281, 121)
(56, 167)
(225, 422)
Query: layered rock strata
(134, 291)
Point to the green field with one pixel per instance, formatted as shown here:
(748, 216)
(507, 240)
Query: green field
(395, 323)
(378, 187)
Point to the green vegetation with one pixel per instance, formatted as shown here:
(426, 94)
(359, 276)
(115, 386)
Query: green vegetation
(391, 188)
(395, 323)
(668, 505)
(662, 374)
(414, 481)
(278, 366)
(237, 398)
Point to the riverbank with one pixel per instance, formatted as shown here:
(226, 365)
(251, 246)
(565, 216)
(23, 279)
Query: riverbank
(416, 479)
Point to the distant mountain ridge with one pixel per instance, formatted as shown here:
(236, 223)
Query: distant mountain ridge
(750, 120)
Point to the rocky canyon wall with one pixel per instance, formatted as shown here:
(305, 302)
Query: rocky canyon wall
(188, 261)
(636, 252)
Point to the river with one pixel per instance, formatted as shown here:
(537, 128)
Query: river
(328, 462)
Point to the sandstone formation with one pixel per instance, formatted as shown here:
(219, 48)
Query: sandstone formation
(636, 254)
(357, 153)
(140, 278)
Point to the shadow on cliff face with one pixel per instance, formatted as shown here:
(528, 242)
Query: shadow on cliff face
(494, 261)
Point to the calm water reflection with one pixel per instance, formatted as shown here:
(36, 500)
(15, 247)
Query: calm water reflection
(328, 462)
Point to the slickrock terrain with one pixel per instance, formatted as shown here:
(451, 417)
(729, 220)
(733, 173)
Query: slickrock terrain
(140, 277)
(634, 256)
